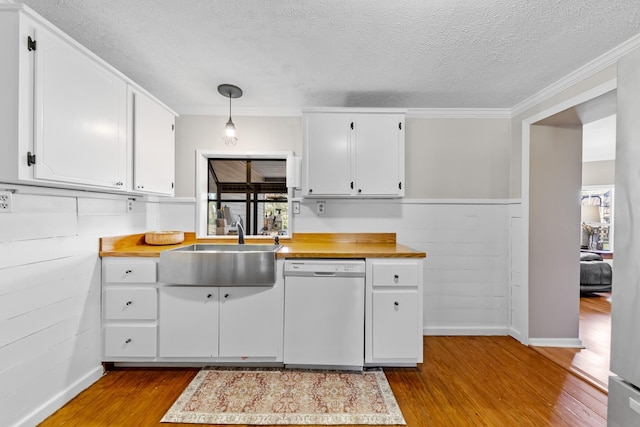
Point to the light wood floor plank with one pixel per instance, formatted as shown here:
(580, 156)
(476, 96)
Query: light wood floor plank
(465, 381)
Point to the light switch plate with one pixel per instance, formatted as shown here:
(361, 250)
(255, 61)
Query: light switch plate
(320, 208)
(296, 207)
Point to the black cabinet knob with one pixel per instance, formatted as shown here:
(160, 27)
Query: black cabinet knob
(129, 302)
(209, 295)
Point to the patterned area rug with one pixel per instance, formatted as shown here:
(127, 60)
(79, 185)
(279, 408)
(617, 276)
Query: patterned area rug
(273, 396)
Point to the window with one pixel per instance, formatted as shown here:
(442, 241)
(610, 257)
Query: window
(597, 228)
(248, 186)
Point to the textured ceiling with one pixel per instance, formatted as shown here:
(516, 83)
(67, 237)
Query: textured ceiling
(360, 53)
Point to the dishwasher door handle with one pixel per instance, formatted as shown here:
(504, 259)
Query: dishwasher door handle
(324, 273)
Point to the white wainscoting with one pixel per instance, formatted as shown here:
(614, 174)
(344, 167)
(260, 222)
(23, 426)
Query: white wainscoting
(50, 296)
(466, 273)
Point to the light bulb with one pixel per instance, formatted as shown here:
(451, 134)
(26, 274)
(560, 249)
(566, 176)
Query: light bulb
(230, 137)
(230, 129)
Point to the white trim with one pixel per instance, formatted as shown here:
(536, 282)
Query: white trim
(60, 399)
(214, 110)
(410, 201)
(459, 113)
(589, 69)
(455, 201)
(556, 342)
(465, 330)
(177, 200)
(354, 110)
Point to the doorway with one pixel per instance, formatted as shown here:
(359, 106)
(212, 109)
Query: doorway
(545, 318)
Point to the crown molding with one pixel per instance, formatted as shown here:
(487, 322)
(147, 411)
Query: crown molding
(589, 69)
(213, 110)
(459, 113)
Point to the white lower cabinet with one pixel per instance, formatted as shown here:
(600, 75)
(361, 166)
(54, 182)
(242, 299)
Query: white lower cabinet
(393, 320)
(188, 324)
(147, 321)
(134, 340)
(395, 316)
(249, 322)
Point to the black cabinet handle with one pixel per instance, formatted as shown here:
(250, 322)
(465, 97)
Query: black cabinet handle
(129, 302)
(128, 340)
(226, 295)
(209, 295)
(128, 271)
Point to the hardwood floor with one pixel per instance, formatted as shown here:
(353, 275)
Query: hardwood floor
(592, 362)
(465, 381)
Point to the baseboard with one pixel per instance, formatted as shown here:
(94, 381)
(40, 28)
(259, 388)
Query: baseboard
(556, 342)
(465, 330)
(60, 399)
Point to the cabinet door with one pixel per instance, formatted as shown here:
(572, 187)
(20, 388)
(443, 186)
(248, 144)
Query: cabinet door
(188, 321)
(327, 154)
(379, 145)
(80, 117)
(153, 146)
(248, 322)
(395, 316)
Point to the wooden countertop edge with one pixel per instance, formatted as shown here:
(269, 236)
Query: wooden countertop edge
(301, 245)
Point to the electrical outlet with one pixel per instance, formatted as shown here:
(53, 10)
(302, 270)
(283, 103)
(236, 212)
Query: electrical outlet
(296, 207)
(320, 208)
(6, 202)
(130, 205)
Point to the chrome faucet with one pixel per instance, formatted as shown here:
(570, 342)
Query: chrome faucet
(241, 233)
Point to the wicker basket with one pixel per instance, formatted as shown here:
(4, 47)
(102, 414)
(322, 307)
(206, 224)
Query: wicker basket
(164, 237)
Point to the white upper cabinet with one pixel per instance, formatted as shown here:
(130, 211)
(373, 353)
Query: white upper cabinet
(153, 129)
(327, 154)
(66, 117)
(80, 117)
(359, 153)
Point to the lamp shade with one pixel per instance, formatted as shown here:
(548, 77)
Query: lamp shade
(590, 214)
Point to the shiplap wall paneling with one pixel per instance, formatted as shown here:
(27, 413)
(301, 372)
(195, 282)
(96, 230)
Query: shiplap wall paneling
(50, 297)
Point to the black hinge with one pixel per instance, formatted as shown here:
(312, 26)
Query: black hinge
(400, 185)
(352, 185)
(172, 185)
(351, 125)
(400, 125)
(173, 127)
(31, 158)
(31, 44)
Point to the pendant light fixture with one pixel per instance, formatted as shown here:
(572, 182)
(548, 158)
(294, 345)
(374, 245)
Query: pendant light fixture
(230, 91)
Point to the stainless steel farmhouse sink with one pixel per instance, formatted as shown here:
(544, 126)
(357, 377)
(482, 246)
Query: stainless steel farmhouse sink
(219, 265)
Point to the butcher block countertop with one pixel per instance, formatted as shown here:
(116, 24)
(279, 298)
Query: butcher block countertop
(300, 245)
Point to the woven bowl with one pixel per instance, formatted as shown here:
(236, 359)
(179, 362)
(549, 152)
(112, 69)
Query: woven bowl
(164, 237)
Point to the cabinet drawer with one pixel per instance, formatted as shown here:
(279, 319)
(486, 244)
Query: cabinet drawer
(130, 272)
(395, 274)
(623, 405)
(130, 341)
(133, 304)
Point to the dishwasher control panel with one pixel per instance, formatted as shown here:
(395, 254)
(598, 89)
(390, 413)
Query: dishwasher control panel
(309, 267)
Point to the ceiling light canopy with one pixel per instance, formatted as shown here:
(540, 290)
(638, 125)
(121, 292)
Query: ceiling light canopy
(230, 91)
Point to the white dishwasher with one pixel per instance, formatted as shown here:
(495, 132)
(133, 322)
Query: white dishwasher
(324, 313)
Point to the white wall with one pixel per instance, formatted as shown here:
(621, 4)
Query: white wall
(457, 158)
(205, 132)
(554, 238)
(599, 173)
(50, 279)
(457, 177)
